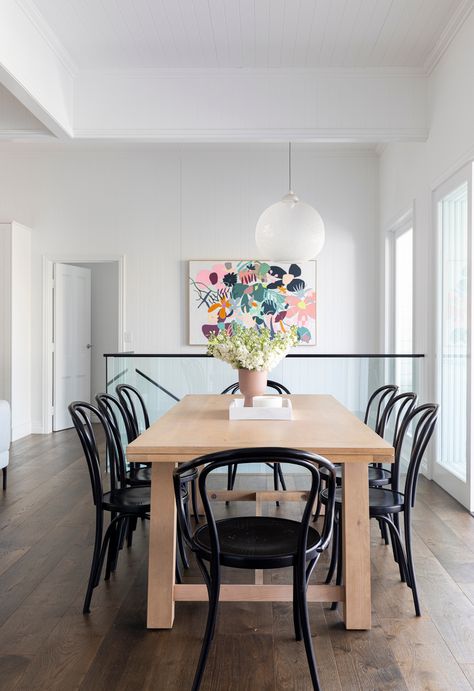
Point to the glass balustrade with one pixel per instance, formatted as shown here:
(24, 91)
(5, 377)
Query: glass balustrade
(165, 379)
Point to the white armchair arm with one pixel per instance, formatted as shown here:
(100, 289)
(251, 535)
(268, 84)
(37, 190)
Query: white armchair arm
(5, 438)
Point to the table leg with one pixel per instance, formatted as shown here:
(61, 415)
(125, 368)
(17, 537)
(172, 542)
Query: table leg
(162, 548)
(356, 546)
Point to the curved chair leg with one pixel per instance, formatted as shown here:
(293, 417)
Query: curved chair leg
(113, 548)
(410, 565)
(281, 476)
(306, 630)
(194, 501)
(384, 532)
(231, 474)
(334, 550)
(395, 518)
(397, 548)
(276, 486)
(317, 513)
(4, 473)
(181, 548)
(207, 581)
(99, 526)
(339, 561)
(296, 606)
(214, 590)
(131, 527)
(110, 545)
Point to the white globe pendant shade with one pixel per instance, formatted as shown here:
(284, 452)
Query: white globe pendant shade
(290, 229)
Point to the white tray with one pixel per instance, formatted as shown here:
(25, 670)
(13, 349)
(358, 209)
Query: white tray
(237, 411)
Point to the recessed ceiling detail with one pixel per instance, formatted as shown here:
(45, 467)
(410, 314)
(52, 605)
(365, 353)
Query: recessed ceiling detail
(227, 70)
(106, 34)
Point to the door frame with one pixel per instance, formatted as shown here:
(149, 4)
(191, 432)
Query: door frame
(48, 310)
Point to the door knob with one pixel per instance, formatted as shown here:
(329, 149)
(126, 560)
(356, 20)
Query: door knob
(88, 346)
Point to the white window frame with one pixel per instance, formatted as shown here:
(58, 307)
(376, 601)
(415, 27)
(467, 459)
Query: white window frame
(401, 226)
(462, 490)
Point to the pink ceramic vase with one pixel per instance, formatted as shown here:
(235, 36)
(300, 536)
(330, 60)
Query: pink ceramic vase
(252, 383)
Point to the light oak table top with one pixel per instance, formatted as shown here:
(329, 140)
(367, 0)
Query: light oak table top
(200, 424)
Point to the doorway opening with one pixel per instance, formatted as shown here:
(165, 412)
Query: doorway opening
(84, 316)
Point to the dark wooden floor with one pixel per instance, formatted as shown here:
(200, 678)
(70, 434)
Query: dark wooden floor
(46, 522)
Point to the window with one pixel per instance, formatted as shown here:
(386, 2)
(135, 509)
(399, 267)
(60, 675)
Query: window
(400, 299)
(452, 214)
(452, 219)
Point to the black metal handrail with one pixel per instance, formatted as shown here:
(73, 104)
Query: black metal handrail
(158, 386)
(117, 376)
(290, 355)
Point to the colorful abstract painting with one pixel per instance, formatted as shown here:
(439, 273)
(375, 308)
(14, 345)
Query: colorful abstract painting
(254, 293)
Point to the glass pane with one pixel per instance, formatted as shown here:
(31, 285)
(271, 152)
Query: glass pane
(404, 306)
(163, 380)
(454, 330)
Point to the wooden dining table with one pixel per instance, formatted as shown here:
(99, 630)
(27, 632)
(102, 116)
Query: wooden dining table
(199, 424)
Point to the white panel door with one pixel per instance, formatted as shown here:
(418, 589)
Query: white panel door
(72, 340)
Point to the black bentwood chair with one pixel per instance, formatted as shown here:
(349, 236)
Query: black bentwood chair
(123, 503)
(386, 505)
(276, 467)
(394, 412)
(118, 419)
(138, 421)
(258, 542)
(373, 417)
(133, 403)
(376, 405)
(390, 427)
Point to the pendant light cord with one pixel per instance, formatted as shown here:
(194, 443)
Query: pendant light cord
(289, 167)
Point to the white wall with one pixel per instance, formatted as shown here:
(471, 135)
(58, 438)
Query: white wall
(162, 205)
(15, 333)
(410, 172)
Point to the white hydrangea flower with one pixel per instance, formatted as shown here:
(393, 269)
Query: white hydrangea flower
(252, 349)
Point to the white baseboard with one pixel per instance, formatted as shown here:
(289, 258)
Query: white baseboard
(20, 431)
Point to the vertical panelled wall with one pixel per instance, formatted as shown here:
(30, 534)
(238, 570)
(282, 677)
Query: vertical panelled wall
(410, 173)
(160, 206)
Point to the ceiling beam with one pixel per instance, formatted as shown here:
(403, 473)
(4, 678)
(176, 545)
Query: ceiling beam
(33, 70)
(249, 105)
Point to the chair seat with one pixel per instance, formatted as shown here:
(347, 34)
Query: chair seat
(142, 478)
(381, 501)
(379, 477)
(189, 476)
(128, 500)
(139, 477)
(253, 542)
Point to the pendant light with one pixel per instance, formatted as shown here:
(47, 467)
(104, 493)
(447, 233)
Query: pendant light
(289, 229)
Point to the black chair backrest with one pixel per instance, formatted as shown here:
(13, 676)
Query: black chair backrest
(377, 402)
(394, 412)
(82, 415)
(132, 401)
(276, 386)
(118, 420)
(221, 459)
(416, 431)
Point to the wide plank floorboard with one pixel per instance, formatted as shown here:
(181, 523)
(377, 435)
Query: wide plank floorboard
(46, 535)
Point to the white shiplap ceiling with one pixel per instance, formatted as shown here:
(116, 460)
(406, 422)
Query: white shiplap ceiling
(134, 34)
